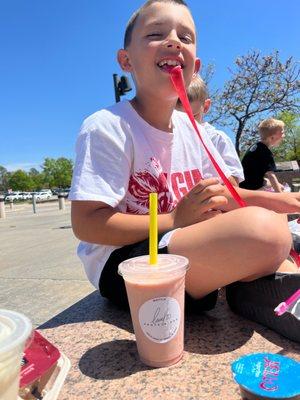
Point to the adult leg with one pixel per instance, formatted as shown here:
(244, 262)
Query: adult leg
(245, 243)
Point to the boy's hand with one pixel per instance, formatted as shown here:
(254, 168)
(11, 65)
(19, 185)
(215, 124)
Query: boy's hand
(287, 202)
(201, 203)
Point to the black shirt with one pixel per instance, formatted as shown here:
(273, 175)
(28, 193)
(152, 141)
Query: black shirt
(256, 162)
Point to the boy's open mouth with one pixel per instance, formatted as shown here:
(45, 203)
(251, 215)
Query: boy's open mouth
(168, 65)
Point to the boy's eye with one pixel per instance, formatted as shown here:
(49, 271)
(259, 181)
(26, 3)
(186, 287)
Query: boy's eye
(186, 38)
(154, 35)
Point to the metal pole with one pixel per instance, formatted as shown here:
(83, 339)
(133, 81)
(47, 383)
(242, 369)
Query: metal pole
(2, 207)
(34, 203)
(61, 201)
(116, 83)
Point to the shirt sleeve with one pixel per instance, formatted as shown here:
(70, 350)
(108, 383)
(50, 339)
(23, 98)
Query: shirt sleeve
(270, 163)
(208, 168)
(227, 151)
(103, 163)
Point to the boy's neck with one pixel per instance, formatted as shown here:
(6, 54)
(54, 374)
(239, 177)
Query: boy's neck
(266, 142)
(156, 113)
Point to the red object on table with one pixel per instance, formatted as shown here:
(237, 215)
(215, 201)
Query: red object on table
(38, 358)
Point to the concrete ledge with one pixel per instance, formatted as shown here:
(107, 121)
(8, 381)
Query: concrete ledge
(99, 340)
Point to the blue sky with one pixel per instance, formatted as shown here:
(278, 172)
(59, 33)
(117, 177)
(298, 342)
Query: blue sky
(58, 57)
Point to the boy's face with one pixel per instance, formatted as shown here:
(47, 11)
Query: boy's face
(277, 137)
(164, 32)
(200, 109)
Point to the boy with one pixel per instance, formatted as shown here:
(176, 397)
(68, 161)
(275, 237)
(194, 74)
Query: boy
(140, 146)
(200, 103)
(258, 162)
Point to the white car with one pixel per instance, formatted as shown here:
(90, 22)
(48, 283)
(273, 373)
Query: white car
(26, 195)
(14, 196)
(42, 195)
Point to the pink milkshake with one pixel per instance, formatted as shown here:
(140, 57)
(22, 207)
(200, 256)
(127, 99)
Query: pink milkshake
(156, 299)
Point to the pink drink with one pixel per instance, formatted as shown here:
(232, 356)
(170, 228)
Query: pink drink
(156, 299)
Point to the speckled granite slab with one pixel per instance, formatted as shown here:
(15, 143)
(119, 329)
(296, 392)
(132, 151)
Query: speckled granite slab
(99, 340)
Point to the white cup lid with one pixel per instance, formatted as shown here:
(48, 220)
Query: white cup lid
(15, 328)
(166, 264)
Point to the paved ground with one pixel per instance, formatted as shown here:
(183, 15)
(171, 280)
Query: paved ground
(40, 274)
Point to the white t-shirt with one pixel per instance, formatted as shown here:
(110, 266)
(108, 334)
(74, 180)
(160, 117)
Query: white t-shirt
(227, 151)
(120, 159)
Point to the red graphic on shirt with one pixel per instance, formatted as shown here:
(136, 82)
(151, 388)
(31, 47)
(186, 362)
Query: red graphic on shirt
(154, 180)
(145, 182)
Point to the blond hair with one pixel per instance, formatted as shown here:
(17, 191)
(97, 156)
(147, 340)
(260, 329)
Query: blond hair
(132, 21)
(268, 126)
(197, 91)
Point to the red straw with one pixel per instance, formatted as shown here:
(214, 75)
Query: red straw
(179, 85)
(178, 82)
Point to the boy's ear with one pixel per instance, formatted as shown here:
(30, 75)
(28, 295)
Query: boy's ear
(123, 60)
(206, 107)
(197, 65)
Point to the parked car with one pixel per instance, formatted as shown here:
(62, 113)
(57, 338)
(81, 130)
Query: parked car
(12, 196)
(42, 195)
(26, 195)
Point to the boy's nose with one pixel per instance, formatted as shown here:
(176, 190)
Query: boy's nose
(172, 41)
(173, 44)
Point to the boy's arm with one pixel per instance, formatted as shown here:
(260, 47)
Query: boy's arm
(274, 181)
(96, 222)
(278, 202)
(234, 180)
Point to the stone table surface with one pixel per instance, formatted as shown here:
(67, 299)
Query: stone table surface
(99, 341)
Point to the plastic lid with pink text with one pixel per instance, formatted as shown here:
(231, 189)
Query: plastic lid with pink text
(270, 376)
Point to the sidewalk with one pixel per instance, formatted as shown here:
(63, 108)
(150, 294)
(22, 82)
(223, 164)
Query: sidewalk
(40, 273)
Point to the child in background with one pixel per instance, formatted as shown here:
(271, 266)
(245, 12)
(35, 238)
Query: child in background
(200, 103)
(258, 161)
(144, 145)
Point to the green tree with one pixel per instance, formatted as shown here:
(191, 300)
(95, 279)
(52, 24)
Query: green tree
(38, 178)
(4, 177)
(260, 87)
(20, 180)
(58, 173)
(290, 146)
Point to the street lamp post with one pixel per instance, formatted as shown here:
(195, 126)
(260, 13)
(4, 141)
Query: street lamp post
(121, 86)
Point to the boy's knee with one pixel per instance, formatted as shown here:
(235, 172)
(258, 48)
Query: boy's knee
(272, 230)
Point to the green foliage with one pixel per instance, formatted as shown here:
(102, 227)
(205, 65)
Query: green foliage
(289, 149)
(58, 173)
(20, 180)
(4, 176)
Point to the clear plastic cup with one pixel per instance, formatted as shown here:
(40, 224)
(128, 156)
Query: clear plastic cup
(15, 329)
(156, 299)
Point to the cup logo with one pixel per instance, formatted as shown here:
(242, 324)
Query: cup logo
(160, 319)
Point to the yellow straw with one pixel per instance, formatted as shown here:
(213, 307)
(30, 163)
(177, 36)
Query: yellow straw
(153, 228)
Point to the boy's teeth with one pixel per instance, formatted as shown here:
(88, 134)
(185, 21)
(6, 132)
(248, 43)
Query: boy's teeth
(168, 62)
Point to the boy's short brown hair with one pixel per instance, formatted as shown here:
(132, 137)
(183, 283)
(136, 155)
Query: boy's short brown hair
(197, 90)
(131, 23)
(267, 127)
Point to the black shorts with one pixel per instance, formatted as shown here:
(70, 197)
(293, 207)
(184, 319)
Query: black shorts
(112, 286)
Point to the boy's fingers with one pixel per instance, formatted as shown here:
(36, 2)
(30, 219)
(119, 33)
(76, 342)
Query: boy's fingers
(210, 214)
(204, 183)
(213, 202)
(208, 191)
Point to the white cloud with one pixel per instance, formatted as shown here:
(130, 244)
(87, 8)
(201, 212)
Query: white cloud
(23, 166)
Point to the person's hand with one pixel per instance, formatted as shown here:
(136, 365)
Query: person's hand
(285, 202)
(289, 202)
(201, 203)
